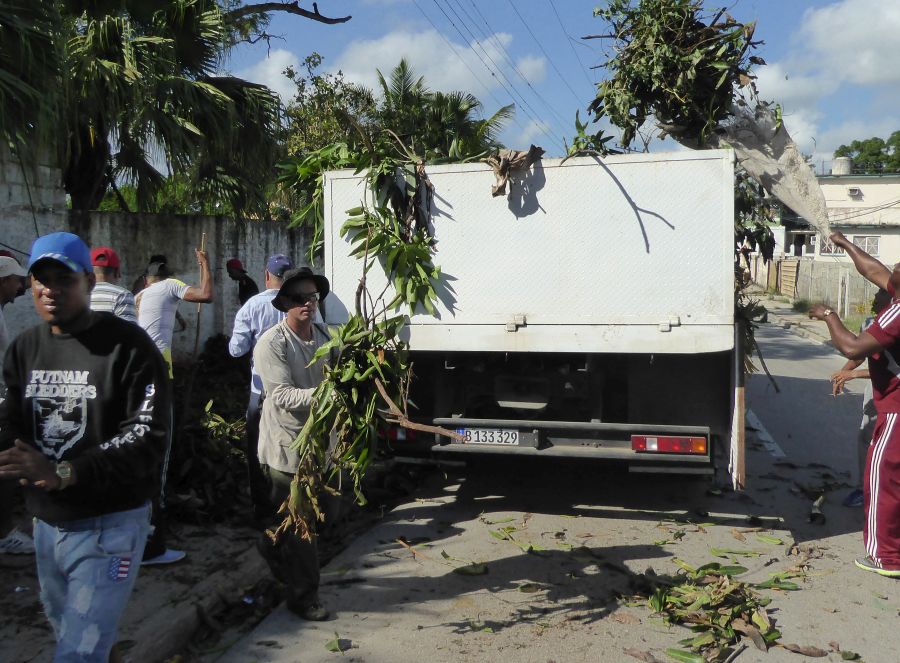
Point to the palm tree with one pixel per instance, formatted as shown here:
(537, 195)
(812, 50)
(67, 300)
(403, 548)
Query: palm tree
(142, 95)
(436, 124)
(29, 69)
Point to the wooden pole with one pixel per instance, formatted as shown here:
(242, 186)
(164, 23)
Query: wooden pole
(199, 305)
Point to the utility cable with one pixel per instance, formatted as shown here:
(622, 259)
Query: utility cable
(538, 123)
(463, 60)
(487, 34)
(549, 59)
(477, 42)
(569, 42)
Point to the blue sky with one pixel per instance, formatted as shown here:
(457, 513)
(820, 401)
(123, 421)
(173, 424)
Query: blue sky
(830, 62)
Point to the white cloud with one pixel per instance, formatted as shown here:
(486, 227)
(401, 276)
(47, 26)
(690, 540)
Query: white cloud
(428, 54)
(533, 130)
(269, 72)
(534, 69)
(855, 40)
(844, 50)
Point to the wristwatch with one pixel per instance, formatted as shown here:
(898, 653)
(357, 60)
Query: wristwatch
(64, 472)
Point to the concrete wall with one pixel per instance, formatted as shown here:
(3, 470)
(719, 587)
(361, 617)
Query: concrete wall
(32, 202)
(136, 237)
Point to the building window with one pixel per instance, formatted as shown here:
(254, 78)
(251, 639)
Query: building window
(827, 248)
(869, 244)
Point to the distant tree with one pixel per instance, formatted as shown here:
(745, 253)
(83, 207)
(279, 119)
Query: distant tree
(325, 108)
(873, 155)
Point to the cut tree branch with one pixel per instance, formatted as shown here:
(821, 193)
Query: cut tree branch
(289, 7)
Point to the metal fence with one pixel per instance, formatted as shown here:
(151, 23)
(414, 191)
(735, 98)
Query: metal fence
(834, 283)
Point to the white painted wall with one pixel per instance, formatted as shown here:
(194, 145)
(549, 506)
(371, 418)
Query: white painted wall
(864, 205)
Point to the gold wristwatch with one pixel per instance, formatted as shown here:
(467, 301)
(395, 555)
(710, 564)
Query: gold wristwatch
(64, 472)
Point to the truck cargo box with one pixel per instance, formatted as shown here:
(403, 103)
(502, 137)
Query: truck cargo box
(629, 254)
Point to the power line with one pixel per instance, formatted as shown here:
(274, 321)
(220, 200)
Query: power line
(463, 60)
(490, 31)
(525, 109)
(863, 211)
(549, 59)
(497, 70)
(569, 42)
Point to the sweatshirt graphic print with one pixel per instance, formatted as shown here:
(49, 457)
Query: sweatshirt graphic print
(98, 399)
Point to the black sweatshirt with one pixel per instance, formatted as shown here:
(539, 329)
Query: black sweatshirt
(99, 399)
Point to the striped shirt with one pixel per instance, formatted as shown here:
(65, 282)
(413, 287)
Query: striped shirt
(115, 299)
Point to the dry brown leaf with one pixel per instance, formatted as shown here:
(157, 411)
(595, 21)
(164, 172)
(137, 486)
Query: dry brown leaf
(813, 652)
(644, 656)
(737, 535)
(834, 646)
(752, 632)
(625, 618)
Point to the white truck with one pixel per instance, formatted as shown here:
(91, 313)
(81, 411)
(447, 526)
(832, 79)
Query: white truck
(588, 314)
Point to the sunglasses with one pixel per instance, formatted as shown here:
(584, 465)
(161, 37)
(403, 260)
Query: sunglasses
(303, 298)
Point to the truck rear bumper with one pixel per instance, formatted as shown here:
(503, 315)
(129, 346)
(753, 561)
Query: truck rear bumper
(572, 439)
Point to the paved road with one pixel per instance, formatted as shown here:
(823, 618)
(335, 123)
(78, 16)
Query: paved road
(593, 538)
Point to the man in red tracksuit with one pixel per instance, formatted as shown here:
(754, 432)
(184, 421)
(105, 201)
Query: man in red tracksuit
(881, 344)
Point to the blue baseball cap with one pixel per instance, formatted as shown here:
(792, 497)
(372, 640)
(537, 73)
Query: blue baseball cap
(65, 248)
(278, 264)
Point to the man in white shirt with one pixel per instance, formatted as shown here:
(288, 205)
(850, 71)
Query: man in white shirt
(254, 318)
(106, 295)
(158, 302)
(14, 541)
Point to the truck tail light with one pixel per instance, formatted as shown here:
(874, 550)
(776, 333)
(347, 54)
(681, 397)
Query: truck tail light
(399, 434)
(666, 444)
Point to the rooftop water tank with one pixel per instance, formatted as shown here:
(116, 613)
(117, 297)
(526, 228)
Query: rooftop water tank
(842, 166)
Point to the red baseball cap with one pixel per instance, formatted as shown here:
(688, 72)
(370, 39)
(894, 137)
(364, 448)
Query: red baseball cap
(234, 263)
(103, 256)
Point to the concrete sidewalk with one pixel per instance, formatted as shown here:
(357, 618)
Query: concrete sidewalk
(782, 314)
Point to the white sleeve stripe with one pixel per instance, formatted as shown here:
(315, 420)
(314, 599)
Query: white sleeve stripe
(889, 315)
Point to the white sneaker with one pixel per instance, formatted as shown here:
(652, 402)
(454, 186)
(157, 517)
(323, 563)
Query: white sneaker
(17, 542)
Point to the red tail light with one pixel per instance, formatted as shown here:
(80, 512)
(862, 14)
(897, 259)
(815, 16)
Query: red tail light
(399, 434)
(664, 444)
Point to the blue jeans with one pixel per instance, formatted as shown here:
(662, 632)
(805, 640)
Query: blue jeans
(87, 569)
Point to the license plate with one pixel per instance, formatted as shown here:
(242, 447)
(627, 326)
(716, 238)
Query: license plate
(500, 436)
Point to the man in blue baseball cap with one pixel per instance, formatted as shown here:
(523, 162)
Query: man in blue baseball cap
(256, 316)
(83, 428)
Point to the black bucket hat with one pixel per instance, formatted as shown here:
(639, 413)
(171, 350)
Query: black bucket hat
(301, 274)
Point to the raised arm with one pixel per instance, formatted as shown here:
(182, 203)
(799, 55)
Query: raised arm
(204, 292)
(868, 267)
(845, 341)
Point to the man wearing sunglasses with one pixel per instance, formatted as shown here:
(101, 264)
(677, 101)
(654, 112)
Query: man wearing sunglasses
(282, 358)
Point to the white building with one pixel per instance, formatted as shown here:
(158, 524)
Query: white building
(866, 208)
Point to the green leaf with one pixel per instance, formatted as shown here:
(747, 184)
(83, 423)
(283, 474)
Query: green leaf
(847, 655)
(775, 541)
(471, 569)
(683, 656)
(337, 645)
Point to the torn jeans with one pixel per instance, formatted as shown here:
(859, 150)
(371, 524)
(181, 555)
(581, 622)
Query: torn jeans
(87, 570)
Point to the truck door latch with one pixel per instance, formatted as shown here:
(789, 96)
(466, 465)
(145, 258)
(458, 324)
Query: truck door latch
(518, 320)
(673, 321)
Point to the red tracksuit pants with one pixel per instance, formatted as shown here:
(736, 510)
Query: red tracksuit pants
(881, 489)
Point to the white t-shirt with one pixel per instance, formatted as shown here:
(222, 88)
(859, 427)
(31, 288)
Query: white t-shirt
(157, 304)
